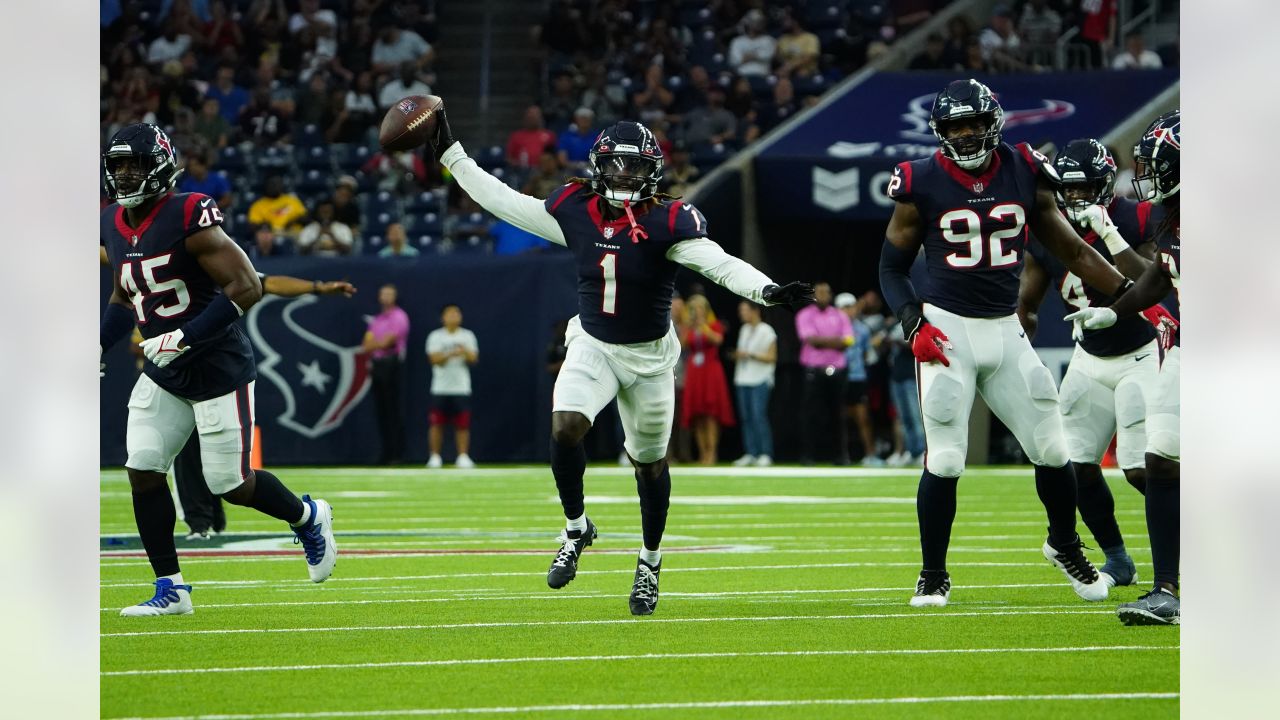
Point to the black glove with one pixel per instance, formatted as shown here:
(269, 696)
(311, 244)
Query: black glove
(444, 135)
(794, 295)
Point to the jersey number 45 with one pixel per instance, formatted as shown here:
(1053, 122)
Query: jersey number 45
(150, 286)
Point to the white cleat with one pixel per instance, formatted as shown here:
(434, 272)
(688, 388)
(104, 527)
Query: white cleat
(435, 463)
(317, 540)
(764, 461)
(169, 599)
(464, 462)
(744, 461)
(933, 589)
(1085, 579)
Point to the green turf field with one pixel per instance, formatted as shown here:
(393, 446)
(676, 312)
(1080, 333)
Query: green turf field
(784, 595)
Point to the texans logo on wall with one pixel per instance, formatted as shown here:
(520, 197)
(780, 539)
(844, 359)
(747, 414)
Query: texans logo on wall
(320, 381)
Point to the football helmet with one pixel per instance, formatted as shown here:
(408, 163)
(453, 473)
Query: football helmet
(1155, 158)
(139, 163)
(963, 100)
(1087, 176)
(626, 162)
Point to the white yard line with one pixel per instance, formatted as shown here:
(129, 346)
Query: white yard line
(916, 614)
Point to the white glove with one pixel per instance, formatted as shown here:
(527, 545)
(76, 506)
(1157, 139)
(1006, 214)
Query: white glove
(163, 349)
(1096, 218)
(1090, 318)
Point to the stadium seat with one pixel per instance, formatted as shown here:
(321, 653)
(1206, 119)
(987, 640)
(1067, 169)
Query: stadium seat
(232, 161)
(423, 202)
(427, 242)
(316, 158)
(313, 182)
(308, 136)
(275, 158)
(381, 202)
(492, 157)
(372, 244)
(426, 223)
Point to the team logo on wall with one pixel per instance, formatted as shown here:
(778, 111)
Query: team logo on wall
(319, 380)
(918, 110)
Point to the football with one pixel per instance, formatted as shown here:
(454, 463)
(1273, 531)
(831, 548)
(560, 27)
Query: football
(410, 123)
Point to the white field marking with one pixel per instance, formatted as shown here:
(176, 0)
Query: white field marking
(521, 597)
(755, 500)
(645, 656)
(711, 704)
(725, 472)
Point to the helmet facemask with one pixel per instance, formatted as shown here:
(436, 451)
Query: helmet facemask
(624, 177)
(1153, 180)
(970, 151)
(1076, 196)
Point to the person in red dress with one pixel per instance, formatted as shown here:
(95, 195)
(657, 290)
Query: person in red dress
(705, 405)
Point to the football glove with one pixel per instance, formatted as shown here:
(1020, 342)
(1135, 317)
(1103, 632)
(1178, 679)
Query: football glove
(444, 134)
(1096, 218)
(1166, 325)
(1090, 318)
(794, 295)
(928, 344)
(163, 349)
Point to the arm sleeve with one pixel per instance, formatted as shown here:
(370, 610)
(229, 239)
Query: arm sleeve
(523, 211)
(708, 259)
(895, 284)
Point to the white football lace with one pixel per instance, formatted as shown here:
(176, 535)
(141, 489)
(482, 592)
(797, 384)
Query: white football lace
(568, 548)
(646, 584)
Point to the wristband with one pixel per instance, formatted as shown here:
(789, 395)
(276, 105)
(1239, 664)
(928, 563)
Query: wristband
(1114, 241)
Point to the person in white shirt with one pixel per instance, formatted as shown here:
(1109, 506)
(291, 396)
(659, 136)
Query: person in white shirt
(452, 350)
(402, 87)
(1136, 56)
(752, 53)
(325, 237)
(756, 358)
(170, 46)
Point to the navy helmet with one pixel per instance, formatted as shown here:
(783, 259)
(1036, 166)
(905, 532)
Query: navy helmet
(1087, 176)
(626, 162)
(1155, 158)
(138, 164)
(964, 100)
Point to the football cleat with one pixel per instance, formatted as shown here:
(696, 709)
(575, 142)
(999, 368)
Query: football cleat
(169, 599)
(1084, 577)
(200, 534)
(1115, 573)
(764, 461)
(565, 567)
(464, 462)
(317, 540)
(644, 589)
(1158, 607)
(933, 589)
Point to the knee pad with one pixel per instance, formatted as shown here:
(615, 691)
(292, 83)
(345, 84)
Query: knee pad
(1040, 386)
(1164, 444)
(947, 463)
(1131, 406)
(150, 457)
(220, 478)
(1051, 444)
(942, 401)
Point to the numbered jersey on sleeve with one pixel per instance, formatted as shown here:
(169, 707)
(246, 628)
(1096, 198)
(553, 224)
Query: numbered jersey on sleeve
(1130, 332)
(167, 287)
(625, 281)
(975, 226)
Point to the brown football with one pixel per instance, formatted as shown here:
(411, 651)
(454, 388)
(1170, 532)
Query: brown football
(410, 123)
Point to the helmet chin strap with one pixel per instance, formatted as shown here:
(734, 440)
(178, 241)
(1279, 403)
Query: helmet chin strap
(973, 163)
(636, 232)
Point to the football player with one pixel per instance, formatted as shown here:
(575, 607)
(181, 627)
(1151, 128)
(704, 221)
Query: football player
(629, 242)
(1157, 179)
(185, 283)
(971, 206)
(1102, 393)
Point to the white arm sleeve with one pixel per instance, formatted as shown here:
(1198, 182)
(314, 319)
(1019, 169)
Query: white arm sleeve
(708, 259)
(523, 211)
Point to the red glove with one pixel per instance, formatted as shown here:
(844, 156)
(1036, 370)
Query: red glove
(1165, 324)
(928, 343)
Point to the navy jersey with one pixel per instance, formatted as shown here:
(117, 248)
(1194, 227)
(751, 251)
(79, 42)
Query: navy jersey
(975, 226)
(168, 287)
(625, 281)
(1169, 255)
(1136, 225)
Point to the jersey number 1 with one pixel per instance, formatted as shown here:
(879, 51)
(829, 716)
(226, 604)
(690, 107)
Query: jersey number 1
(609, 266)
(151, 286)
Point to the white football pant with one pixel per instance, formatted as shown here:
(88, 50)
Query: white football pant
(1163, 409)
(1105, 396)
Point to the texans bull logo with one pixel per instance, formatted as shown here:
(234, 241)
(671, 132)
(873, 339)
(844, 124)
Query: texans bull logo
(320, 381)
(919, 108)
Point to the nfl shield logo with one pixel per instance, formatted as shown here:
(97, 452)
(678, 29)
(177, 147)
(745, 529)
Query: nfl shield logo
(608, 233)
(978, 187)
(133, 240)
(407, 106)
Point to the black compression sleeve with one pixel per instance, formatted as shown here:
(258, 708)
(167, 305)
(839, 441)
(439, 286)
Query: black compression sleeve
(895, 283)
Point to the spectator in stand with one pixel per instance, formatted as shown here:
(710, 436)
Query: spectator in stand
(798, 49)
(855, 389)
(452, 349)
(408, 83)
(755, 361)
(751, 53)
(824, 333)
(262, 123)
(169, 46)
(311, 103)
(320, 53)
(576, 141)
(398, 246)
(198, 179)
(1040, 27)
(974, 59)
(283, 211)
(679, 174)
(547, 177)
(359, 112)
(1136, 56)
(559, 107)
(680, 447)
(525, 146)
(653, 100)
(782, 107)
(712, 124)
(268, 243)
(1098, 30)
(310, 15)
(693, 94)
(385, 341)
(231, 97)
(401, 172)
(1001, 46)
(741, 101)
(345, 208)
(395, 46)
(221, 32)
(934, 55)
(959, 35)
(906, 401)
(511, 240)
(706, 407)
(607, 101)
(325, 237)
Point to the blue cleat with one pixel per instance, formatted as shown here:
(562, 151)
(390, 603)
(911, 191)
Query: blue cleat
(317, 540)
(169, 599)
